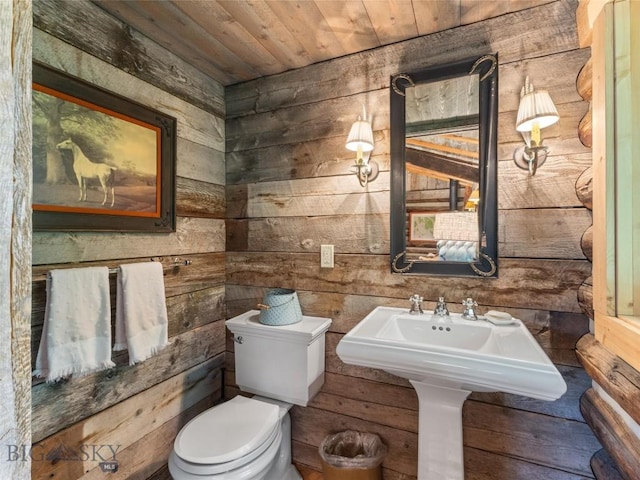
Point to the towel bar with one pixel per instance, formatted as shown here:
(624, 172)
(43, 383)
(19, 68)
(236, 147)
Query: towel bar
(175, 263)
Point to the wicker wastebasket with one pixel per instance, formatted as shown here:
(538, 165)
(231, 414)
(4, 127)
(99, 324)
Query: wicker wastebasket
(351, 455)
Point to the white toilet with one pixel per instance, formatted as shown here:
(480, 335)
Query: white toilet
(250, 438)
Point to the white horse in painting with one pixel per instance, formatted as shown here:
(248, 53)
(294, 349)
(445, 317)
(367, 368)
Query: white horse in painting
(85, 168)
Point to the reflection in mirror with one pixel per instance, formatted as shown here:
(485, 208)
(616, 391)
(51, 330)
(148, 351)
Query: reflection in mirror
(441, 162)
(444, 168)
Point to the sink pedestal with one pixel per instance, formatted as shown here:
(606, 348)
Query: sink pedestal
(440, 453)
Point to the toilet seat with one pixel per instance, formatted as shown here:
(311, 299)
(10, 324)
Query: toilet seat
(248, 467)
(229, 437)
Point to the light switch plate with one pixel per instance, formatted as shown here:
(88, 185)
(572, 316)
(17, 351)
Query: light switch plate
(326, 256)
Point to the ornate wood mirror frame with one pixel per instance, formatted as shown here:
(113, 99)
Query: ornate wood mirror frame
(483, 120)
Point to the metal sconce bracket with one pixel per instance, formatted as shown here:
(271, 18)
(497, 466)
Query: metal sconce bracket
(530, 158)
(366, 172)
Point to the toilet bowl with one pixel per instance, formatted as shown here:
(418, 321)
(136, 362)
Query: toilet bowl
(250, 438)
(241, 439)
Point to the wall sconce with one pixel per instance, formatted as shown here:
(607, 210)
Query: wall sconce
(536, 111)
(360, 140)
(473, 201)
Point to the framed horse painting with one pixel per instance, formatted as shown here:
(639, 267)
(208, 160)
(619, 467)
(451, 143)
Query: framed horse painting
(100, 161)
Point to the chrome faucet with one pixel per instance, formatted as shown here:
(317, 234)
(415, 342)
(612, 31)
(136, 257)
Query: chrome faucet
(441, 308)
(416, 305)
(469, 309)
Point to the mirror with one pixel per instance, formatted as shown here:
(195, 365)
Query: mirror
(444, 169)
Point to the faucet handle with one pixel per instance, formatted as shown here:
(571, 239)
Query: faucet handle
(469, 302)
(469, 309)
(416, 304)
(441, 307)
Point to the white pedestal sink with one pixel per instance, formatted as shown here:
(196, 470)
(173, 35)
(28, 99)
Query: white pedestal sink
(445, 359)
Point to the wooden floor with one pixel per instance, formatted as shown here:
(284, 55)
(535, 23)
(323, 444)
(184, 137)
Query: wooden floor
(308, 474)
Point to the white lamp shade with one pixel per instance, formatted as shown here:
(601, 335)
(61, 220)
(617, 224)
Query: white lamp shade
(360, 136)
(536, 107)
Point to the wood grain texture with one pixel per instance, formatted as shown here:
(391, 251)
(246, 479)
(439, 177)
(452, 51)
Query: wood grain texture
(308, 197)
(348, 234)
(561, 138)
(185, 311)
(549, 284)
(195, 293)
(620, 380)
(15, 230)
(159, 20)
(584, 83)
(199, 199)
(125, 423)
(361, 281)
(308, 473)
(502, 34)
(305, 159)
(312, 425)
(585, 129)
(305, 184)
(199, 162)
(587, 243)
(547, 72)
(542, 233)
(584, 25)
(92, 30)
(306, 122)
(373, 396)
(149, 454)
(535, 435)
(479, 465)
(585, 297)
(496, 429)
(194, 124)
(554, 185)
(613, 432)
(236, 41)
(604, 467)
(204, 271)
(193, 235)
(89, 395)
(595, 191)
(584, 188)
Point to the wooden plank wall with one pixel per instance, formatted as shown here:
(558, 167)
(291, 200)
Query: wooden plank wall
(137, 410)
(289, 190)
(15, 233)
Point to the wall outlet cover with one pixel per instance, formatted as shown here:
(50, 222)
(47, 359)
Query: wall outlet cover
(326, 256)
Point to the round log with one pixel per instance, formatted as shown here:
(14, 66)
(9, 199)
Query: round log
(584, 81)
(586, 242)
(584, 188)
(585, 129)
(585, 297)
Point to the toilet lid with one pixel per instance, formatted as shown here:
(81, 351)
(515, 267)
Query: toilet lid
(227, 431)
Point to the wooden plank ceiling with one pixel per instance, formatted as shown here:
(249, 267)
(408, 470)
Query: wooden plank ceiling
(238, 40)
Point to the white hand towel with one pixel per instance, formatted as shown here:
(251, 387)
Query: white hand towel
(76, 335)
(141, 310)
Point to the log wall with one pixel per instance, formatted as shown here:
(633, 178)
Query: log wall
(137, 410)
(611, 406)
(289, 190)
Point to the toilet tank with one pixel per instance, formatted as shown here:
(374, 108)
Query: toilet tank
(281, 362)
